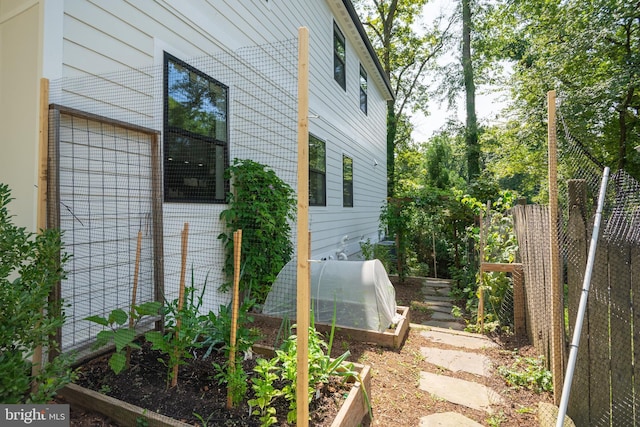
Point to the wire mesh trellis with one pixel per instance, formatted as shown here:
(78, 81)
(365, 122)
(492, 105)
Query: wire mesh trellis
(116, 138)
(605, 384)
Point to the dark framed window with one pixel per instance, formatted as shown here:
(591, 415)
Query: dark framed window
(339, 57)
(347, 181)
(196, 137)
(317, 172)
(363, 89)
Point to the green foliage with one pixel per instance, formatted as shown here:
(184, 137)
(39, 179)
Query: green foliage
(375, 251)
(216, 335)
(123, 337)
(283, 368)
(216, 329)
(183, 328)
(235, 379)
(262, 206)
(265, 392)
(528, 372)
(30, 268)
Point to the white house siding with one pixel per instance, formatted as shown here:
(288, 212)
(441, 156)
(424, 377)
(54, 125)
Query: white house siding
(19, 94)
(105, 199)
(123, 38)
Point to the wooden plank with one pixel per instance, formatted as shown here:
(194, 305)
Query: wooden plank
(303, 270)
(635, 285)
(598, 304)
(578, 408)
(556, 291)
(390, 338)
(519, 323)
(621, 338)
(158, 227)
(121, 412)
(500, 267)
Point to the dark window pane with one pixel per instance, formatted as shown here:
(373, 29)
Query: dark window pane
(195, 135)
(339, 57)
(363, 90)
(347, 181)
(196, 104)
(317, 172)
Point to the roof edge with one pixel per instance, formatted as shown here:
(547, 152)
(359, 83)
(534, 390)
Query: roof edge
(365, 39)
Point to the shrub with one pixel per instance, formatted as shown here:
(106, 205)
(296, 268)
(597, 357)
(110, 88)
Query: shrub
(30, 267)
(262, 206)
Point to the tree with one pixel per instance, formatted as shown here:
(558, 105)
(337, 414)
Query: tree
(407, 49)
(589, 53)
(471, 131)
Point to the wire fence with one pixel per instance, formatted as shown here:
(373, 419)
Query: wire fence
(605, 386)
(113, 176)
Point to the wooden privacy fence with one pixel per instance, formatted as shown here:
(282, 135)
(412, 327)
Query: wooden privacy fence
(531, 225)
(606, 383)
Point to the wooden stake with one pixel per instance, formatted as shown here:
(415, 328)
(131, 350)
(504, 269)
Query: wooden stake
(237, 251)
(480, 319)
(302, 271)
(41, 219)
(134, 292)
(183, 268)
(557, 306)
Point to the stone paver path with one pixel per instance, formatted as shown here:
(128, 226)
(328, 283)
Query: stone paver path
(466, 356)
(436, 293)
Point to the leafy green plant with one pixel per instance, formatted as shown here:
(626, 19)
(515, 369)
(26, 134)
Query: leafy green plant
(283, 367)
(176, 342)
(216, 329)
(528, 372)
(216, 334)
(262, 205)
(30, 267)
(123, 337)
(265, 392)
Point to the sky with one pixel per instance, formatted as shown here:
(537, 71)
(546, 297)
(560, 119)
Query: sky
(489, 101)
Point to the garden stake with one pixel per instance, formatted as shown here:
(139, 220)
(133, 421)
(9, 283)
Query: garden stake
(134, 291)
(183, 267)
(237, 250)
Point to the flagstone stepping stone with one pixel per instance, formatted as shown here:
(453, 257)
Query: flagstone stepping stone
(439, 315)
(442, 298)
(461, 392)
(447, 419)
(469, 341)
(456, 360)
(457, 326)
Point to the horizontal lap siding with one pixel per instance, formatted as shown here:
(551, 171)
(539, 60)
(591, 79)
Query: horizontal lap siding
(105, 199)
(105, 37)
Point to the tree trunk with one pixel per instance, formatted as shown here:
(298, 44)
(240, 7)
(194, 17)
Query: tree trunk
(471, 131)
(392, 124)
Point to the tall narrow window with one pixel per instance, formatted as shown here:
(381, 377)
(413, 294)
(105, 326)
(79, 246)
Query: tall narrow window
(363, 89)
(347, 181)
(339, 57)
(317, 172)
(195, 135)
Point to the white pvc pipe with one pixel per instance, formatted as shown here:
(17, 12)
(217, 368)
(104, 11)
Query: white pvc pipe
(573, 354)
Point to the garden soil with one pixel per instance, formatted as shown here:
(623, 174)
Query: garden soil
(395, 394)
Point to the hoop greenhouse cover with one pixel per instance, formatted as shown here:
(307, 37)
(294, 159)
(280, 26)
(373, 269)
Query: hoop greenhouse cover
(360, 292)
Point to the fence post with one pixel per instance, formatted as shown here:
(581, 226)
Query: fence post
(577, 239)
(557, 309)
(303, 288)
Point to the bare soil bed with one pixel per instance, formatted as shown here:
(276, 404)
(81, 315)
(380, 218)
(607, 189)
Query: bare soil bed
(395, 396)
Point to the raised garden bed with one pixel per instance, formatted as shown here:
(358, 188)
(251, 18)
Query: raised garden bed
(392, 338)
(351, 413)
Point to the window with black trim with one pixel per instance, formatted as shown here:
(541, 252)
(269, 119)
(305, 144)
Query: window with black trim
(363, 89)
(339, 57)
(317, 172)
(347, 181)
(195, 135)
